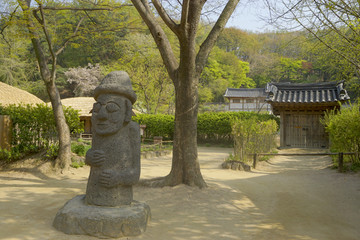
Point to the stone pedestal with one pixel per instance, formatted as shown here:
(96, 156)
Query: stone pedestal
(76, 217)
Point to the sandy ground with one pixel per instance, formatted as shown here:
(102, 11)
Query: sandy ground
(297, 198)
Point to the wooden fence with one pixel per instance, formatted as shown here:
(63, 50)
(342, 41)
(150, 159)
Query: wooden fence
(5, 132)
(340, 156)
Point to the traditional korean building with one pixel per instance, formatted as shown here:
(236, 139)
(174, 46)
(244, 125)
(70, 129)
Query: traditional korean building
(247, 99)
(84, 106)
(300, 107)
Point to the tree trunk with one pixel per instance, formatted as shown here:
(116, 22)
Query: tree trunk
(64, 155)
(185, 164)
(185, 75)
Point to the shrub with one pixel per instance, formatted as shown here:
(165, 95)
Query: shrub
(52, 151)
(253, 136)
(344, 132)
(33, 128)
(80, 148)
(157, 125)
(77, 164)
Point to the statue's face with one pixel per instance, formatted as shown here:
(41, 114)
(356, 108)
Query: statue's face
(108, 114)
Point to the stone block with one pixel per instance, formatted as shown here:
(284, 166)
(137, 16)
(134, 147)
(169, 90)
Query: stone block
(78, 218)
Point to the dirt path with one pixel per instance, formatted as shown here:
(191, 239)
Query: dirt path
(289, 198)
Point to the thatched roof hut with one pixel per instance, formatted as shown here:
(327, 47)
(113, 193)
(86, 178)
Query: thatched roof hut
(12, 95)
(82, 104)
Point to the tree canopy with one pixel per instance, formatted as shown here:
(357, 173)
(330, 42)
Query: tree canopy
(109, 38)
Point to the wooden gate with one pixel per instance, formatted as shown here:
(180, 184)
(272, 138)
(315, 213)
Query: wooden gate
(304, 131)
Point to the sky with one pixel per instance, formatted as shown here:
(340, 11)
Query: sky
(248, 17)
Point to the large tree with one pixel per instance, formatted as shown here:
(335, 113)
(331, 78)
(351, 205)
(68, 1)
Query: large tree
(33, 17)
(184, 71)
(50, 34)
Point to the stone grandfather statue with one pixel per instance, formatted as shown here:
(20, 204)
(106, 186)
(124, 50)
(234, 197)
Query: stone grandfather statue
(115, 153)
(108, 209)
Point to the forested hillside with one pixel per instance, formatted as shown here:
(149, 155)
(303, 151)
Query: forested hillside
(91, 43)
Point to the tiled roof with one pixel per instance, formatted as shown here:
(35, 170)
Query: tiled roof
(306, 93)
(245, 92)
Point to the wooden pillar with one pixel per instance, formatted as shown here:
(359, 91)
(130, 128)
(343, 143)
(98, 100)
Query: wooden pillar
(282, 129)
(5, 132)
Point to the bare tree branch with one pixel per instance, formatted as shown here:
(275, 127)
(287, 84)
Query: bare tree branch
(159, 36)
(103, 8)
(72, 36)
(48, 39)
(355, 64)
(165, 17)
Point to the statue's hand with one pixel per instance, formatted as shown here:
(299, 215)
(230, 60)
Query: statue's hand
(95, 158)
(108, 178)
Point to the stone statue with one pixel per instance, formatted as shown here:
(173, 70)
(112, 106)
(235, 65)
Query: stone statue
(108, 209)
(115, 153)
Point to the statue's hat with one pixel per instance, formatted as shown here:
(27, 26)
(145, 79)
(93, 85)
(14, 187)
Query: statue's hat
(117, 82)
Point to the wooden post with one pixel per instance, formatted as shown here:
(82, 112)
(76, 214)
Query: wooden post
(5, 132)
(282, 129)
(158, 140)
(255, 160)
(341, 162)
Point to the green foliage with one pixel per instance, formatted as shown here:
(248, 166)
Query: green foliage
(80, 148)
(8, 156)
(212, 127)
(344, 132)
(77, 164)
(223, 70)
(151, 82)
(33, 128)
(291, 70)
(218, 126)
(52, 151)
(157, 125)
(253, 136)
(117, 40)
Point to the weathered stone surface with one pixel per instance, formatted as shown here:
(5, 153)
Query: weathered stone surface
(115, 153)
(76, 217)
(108, 209)
(236, 165)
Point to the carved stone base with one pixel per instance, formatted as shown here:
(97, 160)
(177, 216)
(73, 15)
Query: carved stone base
(75, 217)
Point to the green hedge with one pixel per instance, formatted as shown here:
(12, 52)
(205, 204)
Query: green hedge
(344, 132)
(157, 125)
(211, 126)
(217, 126)
(33, 128)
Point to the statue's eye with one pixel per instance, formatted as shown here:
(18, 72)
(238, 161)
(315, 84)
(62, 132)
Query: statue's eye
(112, 107)
(96, 107)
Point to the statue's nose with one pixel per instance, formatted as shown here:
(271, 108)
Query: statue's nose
(102, 114)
